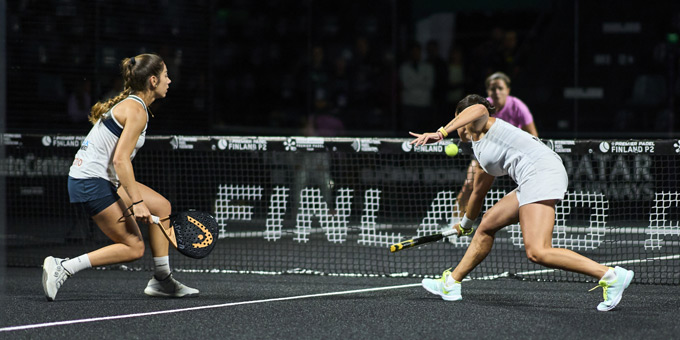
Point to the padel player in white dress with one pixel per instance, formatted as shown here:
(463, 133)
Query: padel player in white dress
(102, 181)
(508, 108)
(503, 149)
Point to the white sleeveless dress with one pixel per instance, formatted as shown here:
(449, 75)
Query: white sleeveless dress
(537, 170)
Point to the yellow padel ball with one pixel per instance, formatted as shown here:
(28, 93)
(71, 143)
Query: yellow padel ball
(451, 150)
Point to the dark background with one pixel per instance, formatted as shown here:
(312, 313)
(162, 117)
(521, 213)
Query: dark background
(294, 67)
(247, 67)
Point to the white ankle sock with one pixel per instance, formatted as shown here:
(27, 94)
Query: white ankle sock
(609, 276)
(77, 264)
(161, 267)
(450, 281)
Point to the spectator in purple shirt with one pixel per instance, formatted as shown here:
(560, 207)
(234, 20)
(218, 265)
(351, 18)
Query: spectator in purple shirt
(508, 108)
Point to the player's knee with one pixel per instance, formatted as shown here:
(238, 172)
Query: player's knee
(485, 229)
(166, 207)
(161, 207)
(136, 250)
(489, 227)
(536, 255)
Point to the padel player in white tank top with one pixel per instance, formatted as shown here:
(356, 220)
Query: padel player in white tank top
(102, 182)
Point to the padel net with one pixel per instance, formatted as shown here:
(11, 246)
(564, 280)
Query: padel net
(335, 205)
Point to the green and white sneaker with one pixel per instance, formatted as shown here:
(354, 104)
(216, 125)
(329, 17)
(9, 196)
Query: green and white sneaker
(612, 291)
(439, 287)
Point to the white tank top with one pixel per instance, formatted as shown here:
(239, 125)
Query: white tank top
(95, 157)
(507, 150)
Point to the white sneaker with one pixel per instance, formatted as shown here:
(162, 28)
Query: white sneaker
(169, 287)
(439, 287)
(54, 276)
(612, 291)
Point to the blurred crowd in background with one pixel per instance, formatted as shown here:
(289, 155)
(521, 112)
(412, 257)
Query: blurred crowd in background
(379, 68)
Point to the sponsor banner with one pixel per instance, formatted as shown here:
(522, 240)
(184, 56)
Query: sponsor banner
(366, 145)
(560, 146)
(676, 146)
(62, 141)
(239, 144)
(427, 148)
(627, 147)
(183, 142)
(304, 143)
(354, 145)
(32, 165)
(615, 147)
(19, 140)
(11, 139)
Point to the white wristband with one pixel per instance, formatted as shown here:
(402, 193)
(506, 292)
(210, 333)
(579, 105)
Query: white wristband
(466, 223)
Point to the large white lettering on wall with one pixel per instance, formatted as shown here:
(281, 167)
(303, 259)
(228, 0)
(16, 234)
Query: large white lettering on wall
(660, 225)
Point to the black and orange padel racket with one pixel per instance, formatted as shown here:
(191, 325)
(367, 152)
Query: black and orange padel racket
(193, 233)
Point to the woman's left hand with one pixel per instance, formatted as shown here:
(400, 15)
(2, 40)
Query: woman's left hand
(425, 138)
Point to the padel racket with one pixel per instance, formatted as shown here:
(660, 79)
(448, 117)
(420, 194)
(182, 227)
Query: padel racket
(422, 240)
(192, 233)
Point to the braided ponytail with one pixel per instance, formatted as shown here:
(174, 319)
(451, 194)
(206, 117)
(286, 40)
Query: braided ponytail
(101, 107)
(136, 72)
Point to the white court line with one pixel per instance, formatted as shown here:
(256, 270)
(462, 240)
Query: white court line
(544, 271)
(137, 315)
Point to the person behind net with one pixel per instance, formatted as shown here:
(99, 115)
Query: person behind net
(502, 149)
(508, 108)
(102, 181)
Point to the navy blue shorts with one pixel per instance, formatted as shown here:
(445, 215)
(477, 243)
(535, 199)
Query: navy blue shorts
(93, 194)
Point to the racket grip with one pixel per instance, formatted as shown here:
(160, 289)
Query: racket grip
(450, 232)
(415, 242)
(156, 219)
(402, 245)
